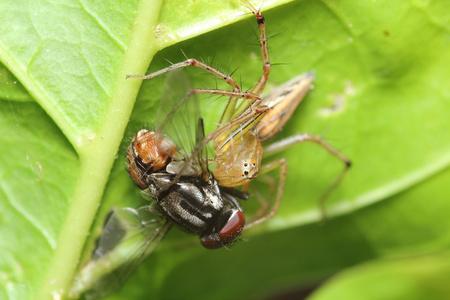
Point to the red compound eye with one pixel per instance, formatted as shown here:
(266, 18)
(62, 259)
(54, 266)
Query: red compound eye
(233, 228)
(227, 234)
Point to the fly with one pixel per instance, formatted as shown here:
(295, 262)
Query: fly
(192, 201)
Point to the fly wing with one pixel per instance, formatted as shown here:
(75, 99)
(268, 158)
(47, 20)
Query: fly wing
(202, 156)
(178, 112)
(128, 238)
(177, 120)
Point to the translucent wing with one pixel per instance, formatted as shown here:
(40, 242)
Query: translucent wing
(179, 119)
(128, 238)
(178, 111)
(202, 156)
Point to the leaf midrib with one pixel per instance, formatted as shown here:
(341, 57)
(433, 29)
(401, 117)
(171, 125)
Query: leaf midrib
(97, 153)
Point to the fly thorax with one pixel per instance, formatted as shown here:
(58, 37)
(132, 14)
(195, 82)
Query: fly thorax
(191, 204)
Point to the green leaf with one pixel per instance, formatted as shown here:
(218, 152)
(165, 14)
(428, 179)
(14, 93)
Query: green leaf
(381, 97)
(408, 278)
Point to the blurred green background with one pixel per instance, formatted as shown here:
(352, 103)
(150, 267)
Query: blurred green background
(381, 97)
